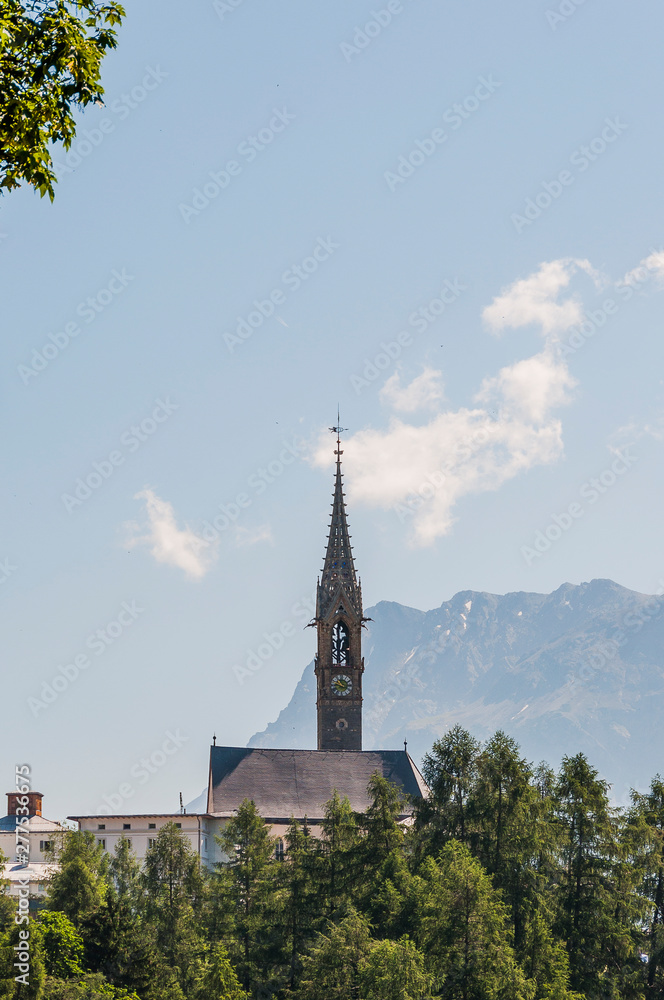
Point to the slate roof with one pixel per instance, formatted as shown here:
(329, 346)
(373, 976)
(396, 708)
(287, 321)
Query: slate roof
(299, 782)
(36, 824)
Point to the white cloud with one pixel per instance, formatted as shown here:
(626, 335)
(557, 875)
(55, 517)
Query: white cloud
(651, 266)
(179, 547)
(634, 431)
(535, 299)
(424, 390)
(423, 471)
(530, 388)
(251, 536)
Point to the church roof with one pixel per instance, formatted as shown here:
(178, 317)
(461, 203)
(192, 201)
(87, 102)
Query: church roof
(284, 783)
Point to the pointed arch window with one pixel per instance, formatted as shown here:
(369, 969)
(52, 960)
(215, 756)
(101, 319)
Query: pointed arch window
(340, 643)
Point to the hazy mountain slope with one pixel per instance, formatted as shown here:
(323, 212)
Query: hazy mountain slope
(579, 669)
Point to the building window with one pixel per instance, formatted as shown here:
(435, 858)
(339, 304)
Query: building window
(340, 644)
(205, 843)
(126, 826)
(178, 826)
(100, 840)
(44, 845)
(101, 826)
(152, 826)
(151, 842)
(279, 849)
(128, 839)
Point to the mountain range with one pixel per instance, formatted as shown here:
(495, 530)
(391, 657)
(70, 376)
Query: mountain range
(581, 669)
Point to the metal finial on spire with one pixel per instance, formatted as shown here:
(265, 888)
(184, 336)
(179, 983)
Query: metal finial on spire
(214, 740)
(338, 430)
(405, 746)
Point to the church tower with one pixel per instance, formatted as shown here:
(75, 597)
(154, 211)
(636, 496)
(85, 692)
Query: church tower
(339, 662)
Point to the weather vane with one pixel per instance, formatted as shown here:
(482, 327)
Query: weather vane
(338, 430)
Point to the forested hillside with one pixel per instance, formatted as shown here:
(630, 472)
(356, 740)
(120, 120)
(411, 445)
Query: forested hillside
(514, 882)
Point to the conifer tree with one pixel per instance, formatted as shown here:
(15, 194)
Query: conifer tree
(243, 891)
(300, 902)
(508, 836)
(332, 968)
(465, 932)
(339, 861)
(645, 824)
(450, 770)
(218, 979)
(174, 888)
(382, 831)
(394, 970)
(652, 806)
(597, 904)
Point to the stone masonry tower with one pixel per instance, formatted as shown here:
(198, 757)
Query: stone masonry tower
(339, 662)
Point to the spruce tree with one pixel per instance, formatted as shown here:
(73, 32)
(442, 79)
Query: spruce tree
(395, 970)
(331, 970)
(339, 866)
(300, 903)
(174, 886)
(450, 770)
(243, 895)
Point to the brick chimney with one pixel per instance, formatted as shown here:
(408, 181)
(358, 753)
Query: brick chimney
(34, 803)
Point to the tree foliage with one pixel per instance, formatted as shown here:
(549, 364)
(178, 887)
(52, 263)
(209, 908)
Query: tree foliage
(50, 64)
(513, 883)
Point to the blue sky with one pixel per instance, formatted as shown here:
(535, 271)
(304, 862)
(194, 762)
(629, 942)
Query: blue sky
(444, 216)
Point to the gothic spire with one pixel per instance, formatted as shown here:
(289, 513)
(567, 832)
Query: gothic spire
(338, 581)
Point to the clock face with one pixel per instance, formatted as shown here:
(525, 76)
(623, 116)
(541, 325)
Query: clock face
(342, 685)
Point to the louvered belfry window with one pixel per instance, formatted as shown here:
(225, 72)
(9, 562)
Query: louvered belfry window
(340, 643)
